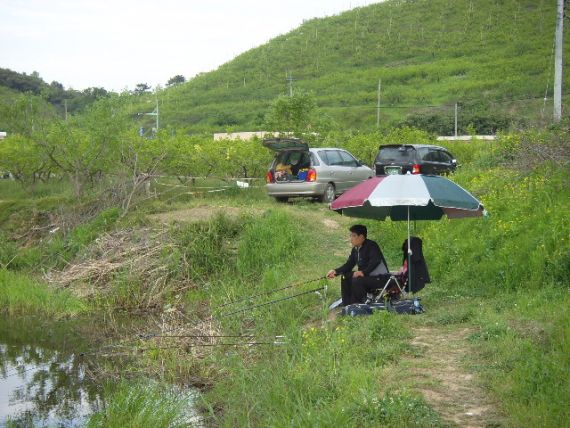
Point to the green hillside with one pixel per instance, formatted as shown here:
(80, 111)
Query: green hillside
(18, 89)
(494, 57)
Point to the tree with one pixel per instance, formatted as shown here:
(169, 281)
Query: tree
(25, 114)
(191, 157)
(20, 156)
(176, 80)
(86, 147)
(141, 88)
(296, 114)
(141, 158)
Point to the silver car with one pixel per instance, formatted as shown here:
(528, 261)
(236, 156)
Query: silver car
(322, 173)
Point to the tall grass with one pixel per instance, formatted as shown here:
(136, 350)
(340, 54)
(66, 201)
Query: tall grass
(326, 376)
(271, 241)
(143, 405)
(20, 295)
(506, 276)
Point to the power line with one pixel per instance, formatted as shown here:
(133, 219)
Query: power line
(460, 103)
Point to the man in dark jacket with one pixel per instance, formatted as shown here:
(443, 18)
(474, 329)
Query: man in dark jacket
(372, 270)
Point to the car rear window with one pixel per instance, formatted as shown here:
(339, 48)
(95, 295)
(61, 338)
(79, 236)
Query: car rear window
(396, 154)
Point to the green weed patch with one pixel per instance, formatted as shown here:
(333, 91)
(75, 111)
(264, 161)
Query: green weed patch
(20, 295)
(143, 405)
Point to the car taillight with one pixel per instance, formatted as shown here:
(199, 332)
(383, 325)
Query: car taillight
(269, 177)
(311, 175)
(415, 169)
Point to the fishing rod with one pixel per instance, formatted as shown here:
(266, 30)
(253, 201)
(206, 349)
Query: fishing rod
(198, 336)
(275, 342)
(298, 284)
(211, 318)
(207, 336)
(316, 290)
(188, 347)
(251, 339)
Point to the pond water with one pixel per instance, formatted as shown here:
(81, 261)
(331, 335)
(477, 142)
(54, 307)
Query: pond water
(51, 374)
(43, 374)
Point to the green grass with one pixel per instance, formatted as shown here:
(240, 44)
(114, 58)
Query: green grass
(11, 190)
(524, 341)
(21, 295)
(504, 277)
(141, 405)
(498, 276)
(331, 375)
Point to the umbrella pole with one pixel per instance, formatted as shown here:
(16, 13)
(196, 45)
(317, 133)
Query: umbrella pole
(409, 256)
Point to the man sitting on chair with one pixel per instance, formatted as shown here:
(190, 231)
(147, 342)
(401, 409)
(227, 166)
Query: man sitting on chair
(372, 270)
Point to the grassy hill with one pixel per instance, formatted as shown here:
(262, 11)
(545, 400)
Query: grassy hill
(494, 57)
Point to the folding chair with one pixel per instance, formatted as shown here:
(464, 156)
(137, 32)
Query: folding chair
(393, 288)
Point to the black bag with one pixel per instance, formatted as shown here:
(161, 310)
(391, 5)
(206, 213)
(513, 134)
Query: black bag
(356, 309)
(408, 306)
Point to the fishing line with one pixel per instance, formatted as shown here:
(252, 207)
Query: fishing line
(211, 318)
(273, 301)
(188, 347)
(207, 336)
(298, 284)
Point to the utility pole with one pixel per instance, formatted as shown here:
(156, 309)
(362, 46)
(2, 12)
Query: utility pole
(32, 114)
(65, 105)
(456, 120)
(378, 107)
(157, 113)
(290, 82)
(558, 61)
(153, 113)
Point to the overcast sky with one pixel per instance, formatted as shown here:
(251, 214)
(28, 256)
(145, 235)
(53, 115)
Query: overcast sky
(117, 44)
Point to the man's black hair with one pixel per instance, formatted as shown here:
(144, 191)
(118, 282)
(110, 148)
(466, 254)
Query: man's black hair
(359, 229)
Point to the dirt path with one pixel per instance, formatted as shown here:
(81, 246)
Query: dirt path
(195, 214)
(441, 377)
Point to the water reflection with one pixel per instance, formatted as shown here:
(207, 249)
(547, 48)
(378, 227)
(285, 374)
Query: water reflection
(43, 379)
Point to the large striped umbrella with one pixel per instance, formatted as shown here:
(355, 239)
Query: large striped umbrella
(408, 197)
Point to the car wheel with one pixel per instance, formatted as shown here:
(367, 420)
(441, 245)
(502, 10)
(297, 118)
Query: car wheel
(329, 194)
(281, 199)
